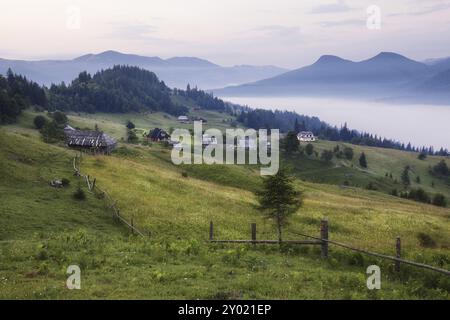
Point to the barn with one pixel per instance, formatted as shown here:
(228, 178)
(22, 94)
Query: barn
(91, 141)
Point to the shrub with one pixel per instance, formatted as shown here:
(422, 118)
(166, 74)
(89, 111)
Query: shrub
(348, 153)
(39, 122)
(51, 132)
(426, 240)
(65, 182)
(371, 186)
(79, 194)
(59, 117)
(441, 168)
(130, 125)
(422, 156)
(439, 200)
(326, 155)
(309, 149)
(419, 195)
(132, 137)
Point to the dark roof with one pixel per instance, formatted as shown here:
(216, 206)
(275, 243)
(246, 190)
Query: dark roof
(89, 138)
(158, 134)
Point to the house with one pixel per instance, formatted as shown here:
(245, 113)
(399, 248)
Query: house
(92, 141)
(157, 135)
(183, 119)
(208, 140)
(306, 136)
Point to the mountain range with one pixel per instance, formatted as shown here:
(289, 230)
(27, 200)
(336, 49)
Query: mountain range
(385, 76)
(175, 72)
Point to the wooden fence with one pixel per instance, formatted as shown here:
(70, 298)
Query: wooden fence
(324, 241)
(93, 187)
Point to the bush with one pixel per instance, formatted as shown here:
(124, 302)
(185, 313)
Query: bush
(52, 132)
(371, 186)
(132, 137)
(348, 153)
(441, 168)
(439, 200)
(419, 195)
(130, 125)
(79, 194)
(422, 156)
(309, 149)
(39, 122)
(326, 155)
(59, 117)
(426, 240)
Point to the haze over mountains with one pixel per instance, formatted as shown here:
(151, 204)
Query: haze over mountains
(175, 72)
(385, 76)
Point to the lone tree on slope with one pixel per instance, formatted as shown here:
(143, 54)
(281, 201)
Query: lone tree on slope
(279, 199)
(363, 160)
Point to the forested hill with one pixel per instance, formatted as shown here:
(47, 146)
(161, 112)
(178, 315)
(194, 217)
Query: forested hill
(16, 94)
(120, 89)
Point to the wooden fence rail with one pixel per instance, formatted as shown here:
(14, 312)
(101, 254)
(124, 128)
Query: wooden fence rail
(324, 241)
(92, 187)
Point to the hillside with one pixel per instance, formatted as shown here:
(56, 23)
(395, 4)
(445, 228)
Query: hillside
(44, 230)
(117, 90)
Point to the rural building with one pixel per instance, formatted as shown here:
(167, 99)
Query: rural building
(92, 141)
(183, 119)
(306, 136)
(207, 140)
(157, 135)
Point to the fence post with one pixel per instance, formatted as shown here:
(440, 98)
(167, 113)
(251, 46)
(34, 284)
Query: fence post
(211, 231)
(324, 236)
(254, 233)
(398, 249)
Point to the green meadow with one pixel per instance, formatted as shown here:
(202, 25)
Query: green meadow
(43, 229)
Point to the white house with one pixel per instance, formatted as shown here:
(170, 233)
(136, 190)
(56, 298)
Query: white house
(183, 119)
(207, 140)
(306, 136)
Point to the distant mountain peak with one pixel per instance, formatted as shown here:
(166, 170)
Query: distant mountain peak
(388, 56)
(327, 59)
(191, 61)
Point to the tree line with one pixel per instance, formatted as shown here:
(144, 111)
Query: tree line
(16, 94)
(120, 89)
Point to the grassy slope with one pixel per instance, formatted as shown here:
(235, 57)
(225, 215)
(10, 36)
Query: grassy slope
(380, 162)
(43, 230)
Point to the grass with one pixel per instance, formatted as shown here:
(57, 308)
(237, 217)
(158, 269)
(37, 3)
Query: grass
(380, 162)
(44, 230)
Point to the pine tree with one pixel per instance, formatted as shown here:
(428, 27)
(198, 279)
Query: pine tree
(279, 200)
(363, 160)
(291, 143)
(405, 177)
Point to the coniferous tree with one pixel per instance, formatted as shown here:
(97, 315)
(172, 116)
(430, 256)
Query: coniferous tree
(279, 200)
(363, 160)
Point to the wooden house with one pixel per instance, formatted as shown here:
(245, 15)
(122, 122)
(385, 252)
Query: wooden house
(91, 141)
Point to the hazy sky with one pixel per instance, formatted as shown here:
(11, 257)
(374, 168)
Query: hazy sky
(287, 33)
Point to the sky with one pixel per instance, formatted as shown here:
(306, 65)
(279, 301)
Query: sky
(286, 33)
